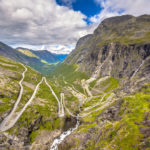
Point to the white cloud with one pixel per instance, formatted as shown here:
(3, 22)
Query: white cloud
(120, 7)
(40, 22)
(60, 49)
(33, 23)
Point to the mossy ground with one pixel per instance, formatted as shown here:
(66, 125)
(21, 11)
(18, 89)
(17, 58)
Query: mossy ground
(44, 106)
(124, 133)
(68, 74)
(9, 87)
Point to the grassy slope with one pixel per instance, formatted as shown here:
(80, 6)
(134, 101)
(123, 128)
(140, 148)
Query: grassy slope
(68, 73)
(9, 87)
(125, 133)
(129, 130)
(44, 106)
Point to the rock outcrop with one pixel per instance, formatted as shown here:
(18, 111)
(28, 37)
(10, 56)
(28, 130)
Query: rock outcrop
(117, 48)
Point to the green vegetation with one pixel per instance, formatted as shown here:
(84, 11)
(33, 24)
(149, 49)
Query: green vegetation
(44, 108)
(69, 74)
(126, 132)
(43, 61)
(27, 52)
(9, 83)
(113, 84)
(92, 102)
(32, 76)
(84, 128)
(106, 85)
(92, 84)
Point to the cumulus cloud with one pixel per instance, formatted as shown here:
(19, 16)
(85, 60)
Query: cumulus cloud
(120, 7)
(40, 22)
(60, 49)
(33, 23)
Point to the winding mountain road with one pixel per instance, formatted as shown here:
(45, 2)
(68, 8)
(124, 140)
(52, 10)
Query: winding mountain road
(26, 105)
(10, 122)
(104, 104)
(4, 122)
(60, 107)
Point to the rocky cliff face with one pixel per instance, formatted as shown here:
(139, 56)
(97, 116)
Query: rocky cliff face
(120, 49)
(111, 97)
(117, 47)
(115, 59)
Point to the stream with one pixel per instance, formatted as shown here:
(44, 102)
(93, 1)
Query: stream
(58, 140)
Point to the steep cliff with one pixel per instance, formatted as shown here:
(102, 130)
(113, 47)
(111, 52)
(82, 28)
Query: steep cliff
(117, 47)
(116, 113)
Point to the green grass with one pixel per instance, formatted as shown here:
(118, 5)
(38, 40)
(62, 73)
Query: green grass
(92, 102)
(45, 109)
(125, 133)
(32, 76)
(85, 127)
(93, 83)
(7, 104)
(8, 61)
(69, 74)
(9, 89)
(110, 84)
(27, 53)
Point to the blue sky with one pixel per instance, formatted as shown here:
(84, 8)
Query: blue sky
(87, 7)
(56, 25)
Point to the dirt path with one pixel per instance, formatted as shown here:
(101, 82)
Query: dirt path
(10, 122)
(4, 122)
(60, 106)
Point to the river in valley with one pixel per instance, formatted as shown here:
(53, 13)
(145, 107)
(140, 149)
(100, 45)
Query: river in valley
(58, 140)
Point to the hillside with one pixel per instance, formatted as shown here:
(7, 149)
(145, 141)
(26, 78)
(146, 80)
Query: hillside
(42, 55)
(37, 110)
(43, 61)
(126, 31)
(97, 99)
(111, 71)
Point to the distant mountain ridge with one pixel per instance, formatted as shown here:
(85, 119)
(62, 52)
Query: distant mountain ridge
(41, 54)
(42, 61)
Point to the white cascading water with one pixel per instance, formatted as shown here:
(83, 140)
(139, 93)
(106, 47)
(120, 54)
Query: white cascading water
(58, 140)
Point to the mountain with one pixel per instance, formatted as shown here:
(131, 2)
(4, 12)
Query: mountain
(42, 61)
(112, 69)
(40, 118)
(98, 98)
(43, 55)
(124, 30)
(61, 57)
